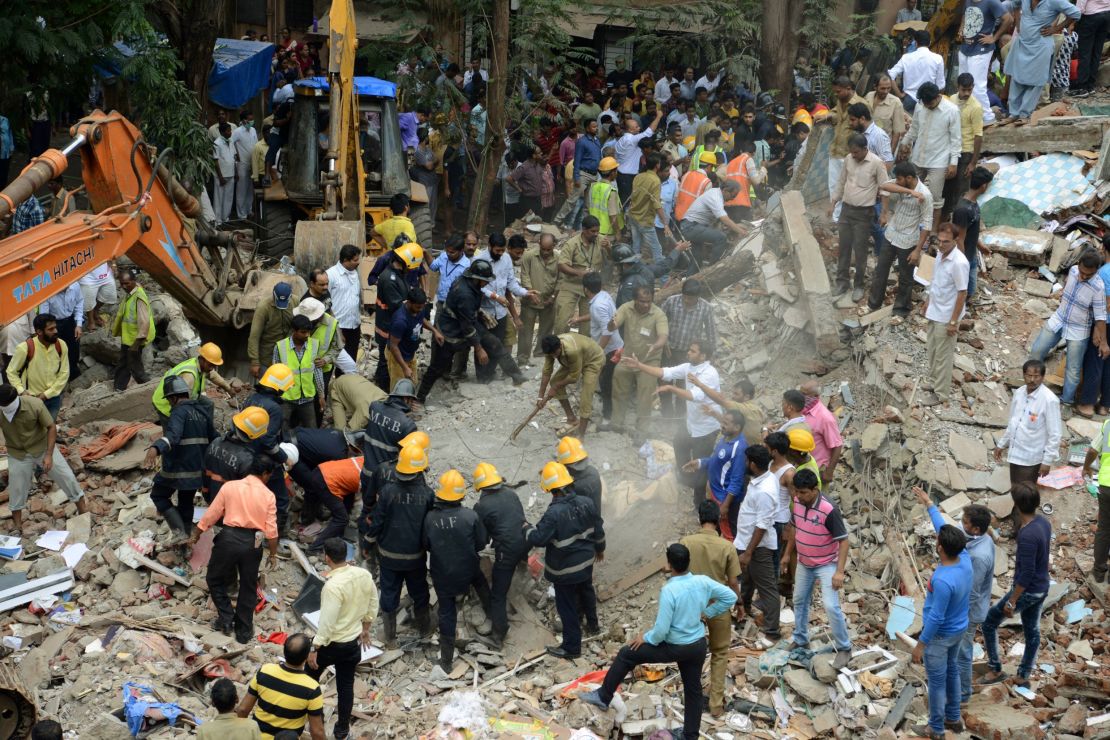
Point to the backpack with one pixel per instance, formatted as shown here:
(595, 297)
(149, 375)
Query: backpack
(31, 353)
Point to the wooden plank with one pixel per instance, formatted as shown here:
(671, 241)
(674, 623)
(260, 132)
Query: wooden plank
(1053, 134)
(907, 571)
(159, 568)
(301, 558)
(645, 571)
(815, 290)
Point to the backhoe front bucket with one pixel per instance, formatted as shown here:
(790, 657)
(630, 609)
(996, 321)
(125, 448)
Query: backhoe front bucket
(317, 244)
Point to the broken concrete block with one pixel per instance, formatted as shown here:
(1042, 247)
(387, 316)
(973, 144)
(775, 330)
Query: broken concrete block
(874, 436)
(1036, 287)
(1085, 428)
(79, 528)
(1073, 721)
(1081, 649)
(823, 667)
(46, 566)
(955, 475)
(997, 720)
(127, 582)
(954, 504)
(970, 453)
(807, 686)
(1000, 481)
(825, 721)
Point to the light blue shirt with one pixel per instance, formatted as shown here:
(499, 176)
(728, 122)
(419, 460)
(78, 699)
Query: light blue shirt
(504, 282)
(979, 551)
(667, 194)
(69, 304)
(449, 272)
(683, 601)
(878, 143)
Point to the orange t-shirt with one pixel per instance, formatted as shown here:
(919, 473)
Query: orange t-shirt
(342, 476)
(246, 503)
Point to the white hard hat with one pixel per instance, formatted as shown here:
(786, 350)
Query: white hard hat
(292, 454)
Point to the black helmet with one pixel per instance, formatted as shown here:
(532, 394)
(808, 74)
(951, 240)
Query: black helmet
(779, 111)
(764, 99)
(623, 254)
(479, 270)
(175, 385)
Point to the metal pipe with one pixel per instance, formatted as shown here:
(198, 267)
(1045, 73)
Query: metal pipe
(77, 142)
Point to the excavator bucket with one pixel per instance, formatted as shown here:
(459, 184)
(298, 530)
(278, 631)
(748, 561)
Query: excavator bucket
(317, 243)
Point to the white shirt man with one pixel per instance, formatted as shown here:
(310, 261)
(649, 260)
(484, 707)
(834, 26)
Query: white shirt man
(917, 68)
(468, 75)
(628, 151)
(663, 89)
(935, 136)
(243, 139)
(708, 82)
(707, 209)
(602, 312)
(504, 282)
(950, 274)
(343, 284)
(757, 511)
(699, 423)
(1033, 434)
(224, 180)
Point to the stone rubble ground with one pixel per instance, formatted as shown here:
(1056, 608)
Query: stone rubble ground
(143, 626)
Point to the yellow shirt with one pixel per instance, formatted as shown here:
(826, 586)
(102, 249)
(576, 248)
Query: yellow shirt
(258, 159)
(393, 227)
(46, 374)
(971, 121)
(348, 599)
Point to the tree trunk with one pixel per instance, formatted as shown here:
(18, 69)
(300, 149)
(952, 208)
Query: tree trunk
(779, 46)
(192, 29)
(496, 92)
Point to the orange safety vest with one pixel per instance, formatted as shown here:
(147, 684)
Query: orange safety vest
(693, 184)
(737, 170)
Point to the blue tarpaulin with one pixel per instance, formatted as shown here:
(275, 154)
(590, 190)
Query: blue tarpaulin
(363, 86)
(239, 70)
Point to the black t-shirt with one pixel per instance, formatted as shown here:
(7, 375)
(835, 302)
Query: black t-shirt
(967, 217)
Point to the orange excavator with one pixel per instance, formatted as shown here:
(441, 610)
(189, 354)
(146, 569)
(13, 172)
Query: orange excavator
(138, 210)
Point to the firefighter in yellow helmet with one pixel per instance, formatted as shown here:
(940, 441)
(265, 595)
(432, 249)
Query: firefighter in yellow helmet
(272, 383)
(574, 537)
(587, 481)
(229, 457)
(502, 514)
(397, 528)
(196, 372)
(603, 200)
(453, 536)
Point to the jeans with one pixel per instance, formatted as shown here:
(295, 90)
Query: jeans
(877, 236)
(690, 659)
(855, 226)
(942, 668)
(345, 656)
(1029, 607)
(909, 103)
(1045, 342)
(235, 553)
(760, 575)
(1092, 31)
(1102, 535)
(645, 236)
(415, 580)
(967, 650)
(706, 239)
(688, 448)
(53, 405)
(804, 579)
(887, 258)
(1096, 379)
(567, 598)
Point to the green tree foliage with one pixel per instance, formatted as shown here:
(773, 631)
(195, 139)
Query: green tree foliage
(58, 44)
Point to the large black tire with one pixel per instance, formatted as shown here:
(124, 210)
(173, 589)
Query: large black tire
(421, 219)
(276, 239)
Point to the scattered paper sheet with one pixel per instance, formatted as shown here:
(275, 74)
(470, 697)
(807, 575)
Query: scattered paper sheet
(52, 539)
(10, 548)
(73, 554)
(368, 653)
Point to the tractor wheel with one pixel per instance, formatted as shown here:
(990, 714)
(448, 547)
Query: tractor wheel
(421, 219)
(276, 239)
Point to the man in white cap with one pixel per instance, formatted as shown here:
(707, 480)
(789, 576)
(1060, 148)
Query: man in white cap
(325, 330)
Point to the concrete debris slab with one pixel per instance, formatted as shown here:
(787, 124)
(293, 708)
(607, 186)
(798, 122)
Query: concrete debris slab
(809, 688)
(874, 436)
(970, 453)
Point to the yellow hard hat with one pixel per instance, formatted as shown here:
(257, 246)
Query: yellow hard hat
(802, 116)
(412, 459)
(277, 376)
(708, 157)
(800, 440)
(419, 438)
(252, 421)
(607, 164)
(411, 254)
(555, 476)
(485, 475)
(820, 112)
(212, 353)
(690, 142)
(570, 450)
(452, 487)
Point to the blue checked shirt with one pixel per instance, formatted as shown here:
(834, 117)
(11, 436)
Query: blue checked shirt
(878, 142)
(28, 214)
(1082, 304)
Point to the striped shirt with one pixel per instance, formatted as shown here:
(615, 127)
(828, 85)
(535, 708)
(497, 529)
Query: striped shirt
(908, 217)
(1081, 304)
(818, 530)
(686, 325)
(285, 697)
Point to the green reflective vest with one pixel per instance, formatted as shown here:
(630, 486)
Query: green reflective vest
(1104, 460)
(599, 207)
(192, 365)
(811, 464)
(125, 324)
(325, 334)
(304, 370)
